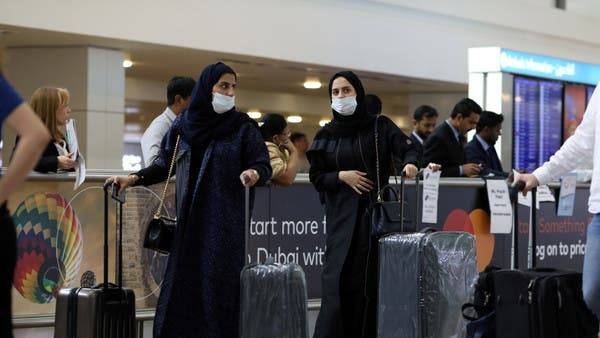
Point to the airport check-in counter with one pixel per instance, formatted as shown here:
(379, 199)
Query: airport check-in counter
(288, 223)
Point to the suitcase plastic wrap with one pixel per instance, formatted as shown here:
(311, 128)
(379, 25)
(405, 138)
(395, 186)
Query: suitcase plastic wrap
(423, 281)
(273, 298)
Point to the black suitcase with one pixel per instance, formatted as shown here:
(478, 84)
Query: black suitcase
(103, 311)
(540, 302)
(273, 298)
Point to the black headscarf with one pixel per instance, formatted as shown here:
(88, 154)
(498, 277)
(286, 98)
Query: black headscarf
(201, 123)
(348, 125)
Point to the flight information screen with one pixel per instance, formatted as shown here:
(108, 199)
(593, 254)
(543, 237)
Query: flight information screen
(550, 118)
(526, 151)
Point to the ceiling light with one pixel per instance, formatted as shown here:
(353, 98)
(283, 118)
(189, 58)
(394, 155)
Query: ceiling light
(294, 119)
(131, 110)
(255, 114)
(127, 63)
(312, 83)
(323, 122)
(132, 127)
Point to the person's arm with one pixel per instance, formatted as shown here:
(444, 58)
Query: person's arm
(435, 151)
(287, 176)
(404, 152)
(151, 141)
(476, 155)
(472, 155)
(577, 147)
(325, 179)
(320, 176)
(49, 161)
(157, 171)
(47, 164)
(33, 138)
(255, 159)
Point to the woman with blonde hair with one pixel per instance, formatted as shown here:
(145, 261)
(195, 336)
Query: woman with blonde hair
(52, 106)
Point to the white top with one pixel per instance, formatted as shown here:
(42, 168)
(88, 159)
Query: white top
(61, 147)
(577, 148)
(154, 134)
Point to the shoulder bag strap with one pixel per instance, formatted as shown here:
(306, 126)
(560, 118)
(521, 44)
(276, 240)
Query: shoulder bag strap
(379, 199)
(162, 199)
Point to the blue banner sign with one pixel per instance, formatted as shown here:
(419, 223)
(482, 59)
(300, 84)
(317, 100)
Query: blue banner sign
(548, 67)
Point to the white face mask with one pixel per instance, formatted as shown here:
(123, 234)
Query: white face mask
(222, 103)
(345, 106)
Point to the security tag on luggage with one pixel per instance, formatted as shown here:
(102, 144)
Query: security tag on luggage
(566, 199)
(431, 187)
(500, 207)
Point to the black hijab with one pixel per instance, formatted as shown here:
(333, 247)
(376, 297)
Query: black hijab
(341, 125)
(201, 123)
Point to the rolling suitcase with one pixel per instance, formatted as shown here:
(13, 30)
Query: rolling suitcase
(103, 311)
(540, 302)
(424, 278)
(273, 298)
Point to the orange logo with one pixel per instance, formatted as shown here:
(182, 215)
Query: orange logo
(477, 223)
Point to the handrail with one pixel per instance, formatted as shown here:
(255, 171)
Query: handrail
(99, 175)
(141, 316)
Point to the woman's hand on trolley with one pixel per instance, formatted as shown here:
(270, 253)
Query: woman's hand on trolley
(249, 177)
(122, 181)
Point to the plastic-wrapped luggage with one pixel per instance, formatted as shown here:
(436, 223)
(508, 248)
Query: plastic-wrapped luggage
(273, 298)
(103, 311)
(273, 301)
(424, 278)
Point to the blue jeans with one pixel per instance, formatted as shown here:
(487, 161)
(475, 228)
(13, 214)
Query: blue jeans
(591, 266)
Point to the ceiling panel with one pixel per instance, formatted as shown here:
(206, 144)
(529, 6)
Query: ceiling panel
(160, 63)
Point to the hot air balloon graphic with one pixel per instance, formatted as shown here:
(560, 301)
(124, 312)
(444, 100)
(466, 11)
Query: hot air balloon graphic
(49, 246)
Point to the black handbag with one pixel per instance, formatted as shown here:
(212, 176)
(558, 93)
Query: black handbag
(389, 213)
(161, 229)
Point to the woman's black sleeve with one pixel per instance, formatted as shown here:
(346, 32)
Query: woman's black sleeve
(320, 176)
(255, 155)
(403, 149)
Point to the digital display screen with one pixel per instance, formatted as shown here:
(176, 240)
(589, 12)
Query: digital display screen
(550, 126)
(526, 127)
(574, 107)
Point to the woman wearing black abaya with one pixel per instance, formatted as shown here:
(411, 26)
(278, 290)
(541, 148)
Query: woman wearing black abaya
(342, 159)
(221, 150)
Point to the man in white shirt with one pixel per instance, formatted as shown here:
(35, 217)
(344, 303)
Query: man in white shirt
(583, 144)
(179, 92)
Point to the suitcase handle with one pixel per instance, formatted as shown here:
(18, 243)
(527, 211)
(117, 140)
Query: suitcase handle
(105, 285)
(417, 196)
(531, 242)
